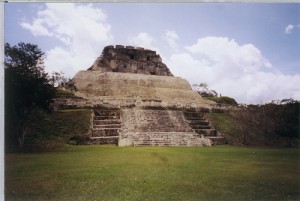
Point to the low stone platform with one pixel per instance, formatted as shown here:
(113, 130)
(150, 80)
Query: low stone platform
(168, 139)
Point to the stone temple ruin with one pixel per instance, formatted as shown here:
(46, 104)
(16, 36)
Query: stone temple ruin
(136, 101)
(130, 60)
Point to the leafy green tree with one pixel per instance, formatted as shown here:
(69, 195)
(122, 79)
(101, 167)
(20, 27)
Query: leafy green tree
(27, 88)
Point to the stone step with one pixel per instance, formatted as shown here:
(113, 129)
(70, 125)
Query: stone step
(163, 133)
(116, 126)
(199, 124)
(147, 143)
(105, 137)
(104, 140)
(206, 132)
(217, 140)
(158, 143)
(105, 132)
(104, 122)
(162, 139)
(194, 118)
(197, 127)
(193, 114)
(167, 139)
(100, 129)
(163, 129)
(106, 118)
(204, 123)
(107, 113)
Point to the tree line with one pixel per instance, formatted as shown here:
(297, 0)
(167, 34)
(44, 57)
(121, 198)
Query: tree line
(275, 123)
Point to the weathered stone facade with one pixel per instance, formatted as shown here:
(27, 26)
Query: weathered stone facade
(130, 60)
(127, 89)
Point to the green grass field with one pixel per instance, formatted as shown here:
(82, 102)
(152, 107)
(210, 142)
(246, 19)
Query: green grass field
(154, 173)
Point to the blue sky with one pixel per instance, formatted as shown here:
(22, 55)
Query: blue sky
(246, 51)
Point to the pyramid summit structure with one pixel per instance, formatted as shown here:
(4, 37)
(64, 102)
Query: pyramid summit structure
(130, 60)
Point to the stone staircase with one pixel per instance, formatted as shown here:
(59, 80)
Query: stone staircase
(158, 127)
(169, 139)
(153, 127)
(106, 126)
(202, 126)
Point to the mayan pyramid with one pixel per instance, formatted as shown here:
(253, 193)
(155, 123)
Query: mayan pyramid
(136, 101)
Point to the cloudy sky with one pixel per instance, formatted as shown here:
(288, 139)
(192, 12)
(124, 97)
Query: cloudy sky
(250, 52)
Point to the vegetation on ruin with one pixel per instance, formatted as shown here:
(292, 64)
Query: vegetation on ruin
(223, 100)
(212, 95)
(63, 93)
(51, 131)
(154, 173)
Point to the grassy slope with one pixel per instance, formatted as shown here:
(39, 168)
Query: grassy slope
(49, 131)
(63, 93)
(225, 123)
(154, 173)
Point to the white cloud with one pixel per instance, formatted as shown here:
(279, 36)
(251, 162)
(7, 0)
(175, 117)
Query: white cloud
(229, 54)
(239, 71)
(143, 40)
(37, 28)
(171, 38)
(289, 28)
(184, 65)
(81, 28)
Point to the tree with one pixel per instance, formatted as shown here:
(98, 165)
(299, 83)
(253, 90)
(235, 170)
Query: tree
(204, 91)
(288, 120)
(269, 124)
(58, 79)
(247, 124)
(27, 88)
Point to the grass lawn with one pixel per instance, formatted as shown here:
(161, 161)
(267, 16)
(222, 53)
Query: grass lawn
(154, 173)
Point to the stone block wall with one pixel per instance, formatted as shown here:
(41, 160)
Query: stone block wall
(128, 59)
(169, 139)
